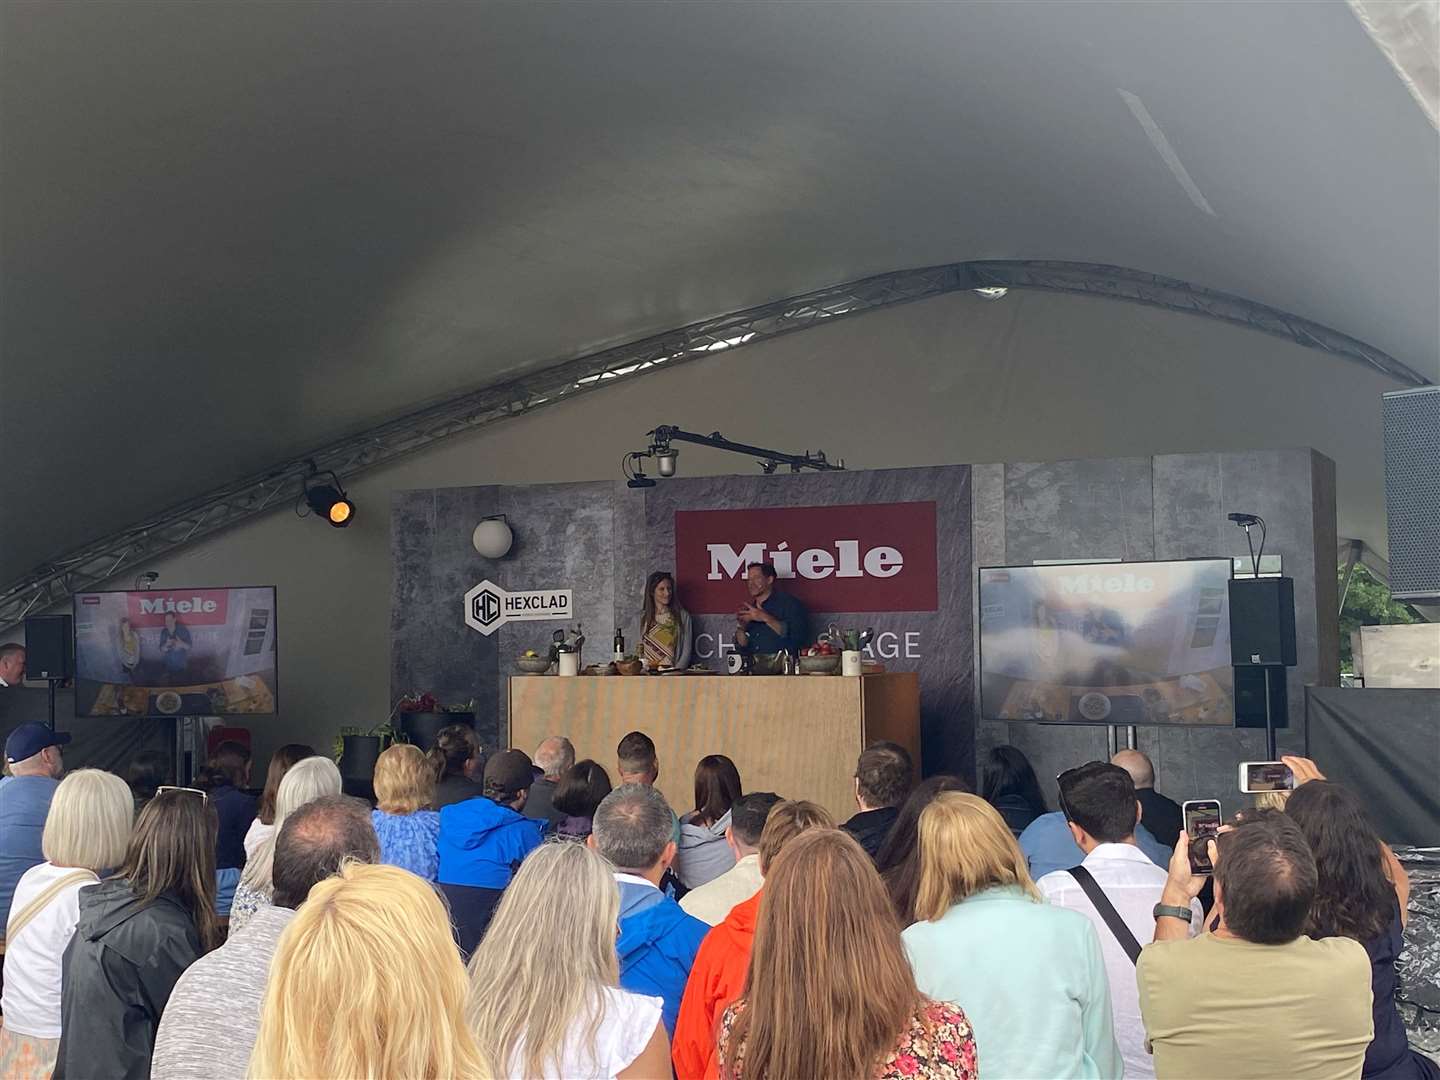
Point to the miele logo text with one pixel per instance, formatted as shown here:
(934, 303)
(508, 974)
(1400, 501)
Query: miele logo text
(193, 607)
(871, 557)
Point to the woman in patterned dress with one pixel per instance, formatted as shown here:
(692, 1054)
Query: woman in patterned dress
(665, 633)
(829, 991)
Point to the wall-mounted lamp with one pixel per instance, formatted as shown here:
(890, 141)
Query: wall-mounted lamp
(493, 537)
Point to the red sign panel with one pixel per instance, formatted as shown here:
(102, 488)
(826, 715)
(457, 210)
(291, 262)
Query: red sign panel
(876, 557)
(192, 607)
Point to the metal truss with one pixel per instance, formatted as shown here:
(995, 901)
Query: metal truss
(51, 583)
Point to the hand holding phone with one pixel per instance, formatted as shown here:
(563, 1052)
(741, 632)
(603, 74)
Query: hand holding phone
(1258, 776)
(1202, 824)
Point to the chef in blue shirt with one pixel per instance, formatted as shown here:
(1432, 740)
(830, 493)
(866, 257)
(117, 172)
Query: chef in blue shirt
(770, 620)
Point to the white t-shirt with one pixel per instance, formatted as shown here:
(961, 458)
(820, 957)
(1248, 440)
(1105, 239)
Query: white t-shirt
(32, 957)
(624, 1032)
(1132, 884)
(256, 835)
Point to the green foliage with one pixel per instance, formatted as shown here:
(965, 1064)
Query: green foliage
(1368, 603)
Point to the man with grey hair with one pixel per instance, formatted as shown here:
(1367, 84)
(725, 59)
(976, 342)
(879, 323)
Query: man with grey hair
(1161, 815)
(552, 758)
(210, 1022)
(633, 828)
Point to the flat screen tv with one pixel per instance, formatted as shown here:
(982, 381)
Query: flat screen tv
(176, 652)
(1107, 643)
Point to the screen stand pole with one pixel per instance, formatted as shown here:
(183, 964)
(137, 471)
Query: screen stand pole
(1132, 738)
(51, 683)
(1112, 740)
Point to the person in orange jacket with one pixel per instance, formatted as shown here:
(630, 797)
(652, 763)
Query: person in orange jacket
(718, 975)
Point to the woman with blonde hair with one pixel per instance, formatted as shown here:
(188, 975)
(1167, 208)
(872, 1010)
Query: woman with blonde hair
(544, 982)
(306, 781)
(366, 982)
(407, 828)
(136, 934)
(1030, 976)
(86, 834)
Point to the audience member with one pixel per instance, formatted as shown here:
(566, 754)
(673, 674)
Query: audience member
(658, 941)
(829, 993)
(86, 834)
(580, 792)
(408, 829)
(1048, 845)
(281, 762)
(32, 753)
(483, 840)
(365, 982)
(225, 777)
(134, 936)
(636, 759)
(718, 975)
(12, 665)
(148, 771)
(704, 853)
(544, 1000)
(307, 780)
(1008, 783)
(1100, 805)
(882, 780)
(459, 765)
(1360, 893)
(552, 757)
(1031, 976)
(1161, 815)
(209, 1026)
(711, 902)
(898, 859)
(1255, 998)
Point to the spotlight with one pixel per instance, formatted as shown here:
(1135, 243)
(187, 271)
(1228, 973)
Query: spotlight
(1244, 520)
(990, 292)
(326, 498)
(493, 537)
(665, 460)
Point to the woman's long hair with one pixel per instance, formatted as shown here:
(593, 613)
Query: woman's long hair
(1007, 771)
(281, 762)
(543, 966)
(226, 765)
(366, 982)
(172, 850)
(581, 789)
(454, 747)
(1354, 897)
(829, 988)
(647, 618)
(965, 848)
(717, 786)
(307, 780)
(898, 859)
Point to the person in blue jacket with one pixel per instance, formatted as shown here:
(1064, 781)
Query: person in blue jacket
(658, 941)
(483, 840)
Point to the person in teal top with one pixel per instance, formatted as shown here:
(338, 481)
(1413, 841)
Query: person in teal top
(1030, 977)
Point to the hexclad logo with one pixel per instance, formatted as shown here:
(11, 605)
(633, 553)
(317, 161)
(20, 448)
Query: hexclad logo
(489, 607)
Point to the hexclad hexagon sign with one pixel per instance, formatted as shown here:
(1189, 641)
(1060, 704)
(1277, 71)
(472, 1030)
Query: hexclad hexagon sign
(489, 607)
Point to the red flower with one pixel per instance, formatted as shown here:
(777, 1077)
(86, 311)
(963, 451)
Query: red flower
(906, 1065)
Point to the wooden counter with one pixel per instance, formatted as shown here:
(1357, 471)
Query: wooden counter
(797, 735)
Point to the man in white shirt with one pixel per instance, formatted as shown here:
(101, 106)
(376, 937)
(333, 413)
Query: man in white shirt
(12, 664)
(1101, 810)
(711, 902)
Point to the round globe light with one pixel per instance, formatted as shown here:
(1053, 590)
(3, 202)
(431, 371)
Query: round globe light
(492, 538)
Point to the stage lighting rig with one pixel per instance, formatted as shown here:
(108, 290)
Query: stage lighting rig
(666, 456)
(325, 498)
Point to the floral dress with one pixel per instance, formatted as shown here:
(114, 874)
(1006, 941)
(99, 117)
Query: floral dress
(936, 1043)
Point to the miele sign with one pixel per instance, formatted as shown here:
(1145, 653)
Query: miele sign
(874, 557)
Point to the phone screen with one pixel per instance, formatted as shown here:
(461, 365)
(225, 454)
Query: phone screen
(1202, 824)
(1268, 776)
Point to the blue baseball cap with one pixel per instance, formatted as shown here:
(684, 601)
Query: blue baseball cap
(27, 740)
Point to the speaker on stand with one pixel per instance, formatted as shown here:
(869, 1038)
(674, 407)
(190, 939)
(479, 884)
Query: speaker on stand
(1262, 646)
(49, 652)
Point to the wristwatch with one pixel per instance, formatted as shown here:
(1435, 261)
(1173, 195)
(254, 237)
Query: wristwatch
(1170, 911)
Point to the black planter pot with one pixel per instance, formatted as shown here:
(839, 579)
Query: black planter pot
(420, 728)
(357, 760)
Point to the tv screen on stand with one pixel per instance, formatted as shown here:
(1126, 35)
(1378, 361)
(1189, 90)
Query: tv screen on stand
(176, 652)
(1107, 643)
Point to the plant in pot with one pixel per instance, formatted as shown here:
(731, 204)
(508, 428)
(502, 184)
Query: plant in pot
(420, 716)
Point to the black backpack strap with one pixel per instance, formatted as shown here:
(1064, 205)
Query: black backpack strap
(1107, 911)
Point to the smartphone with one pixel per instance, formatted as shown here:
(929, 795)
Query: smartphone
(1202, 824)
(1257, 776)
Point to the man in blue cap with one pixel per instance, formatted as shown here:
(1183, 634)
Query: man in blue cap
(32, 755)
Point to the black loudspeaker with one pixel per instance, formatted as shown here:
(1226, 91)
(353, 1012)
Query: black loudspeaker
(1412, 492)
(1262, 622)
(49, 647)
(1250, 697)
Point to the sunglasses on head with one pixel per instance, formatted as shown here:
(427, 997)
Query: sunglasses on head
(204, 797)
(1061, 779)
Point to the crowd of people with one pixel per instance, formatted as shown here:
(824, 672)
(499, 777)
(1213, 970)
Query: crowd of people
(498, 916)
